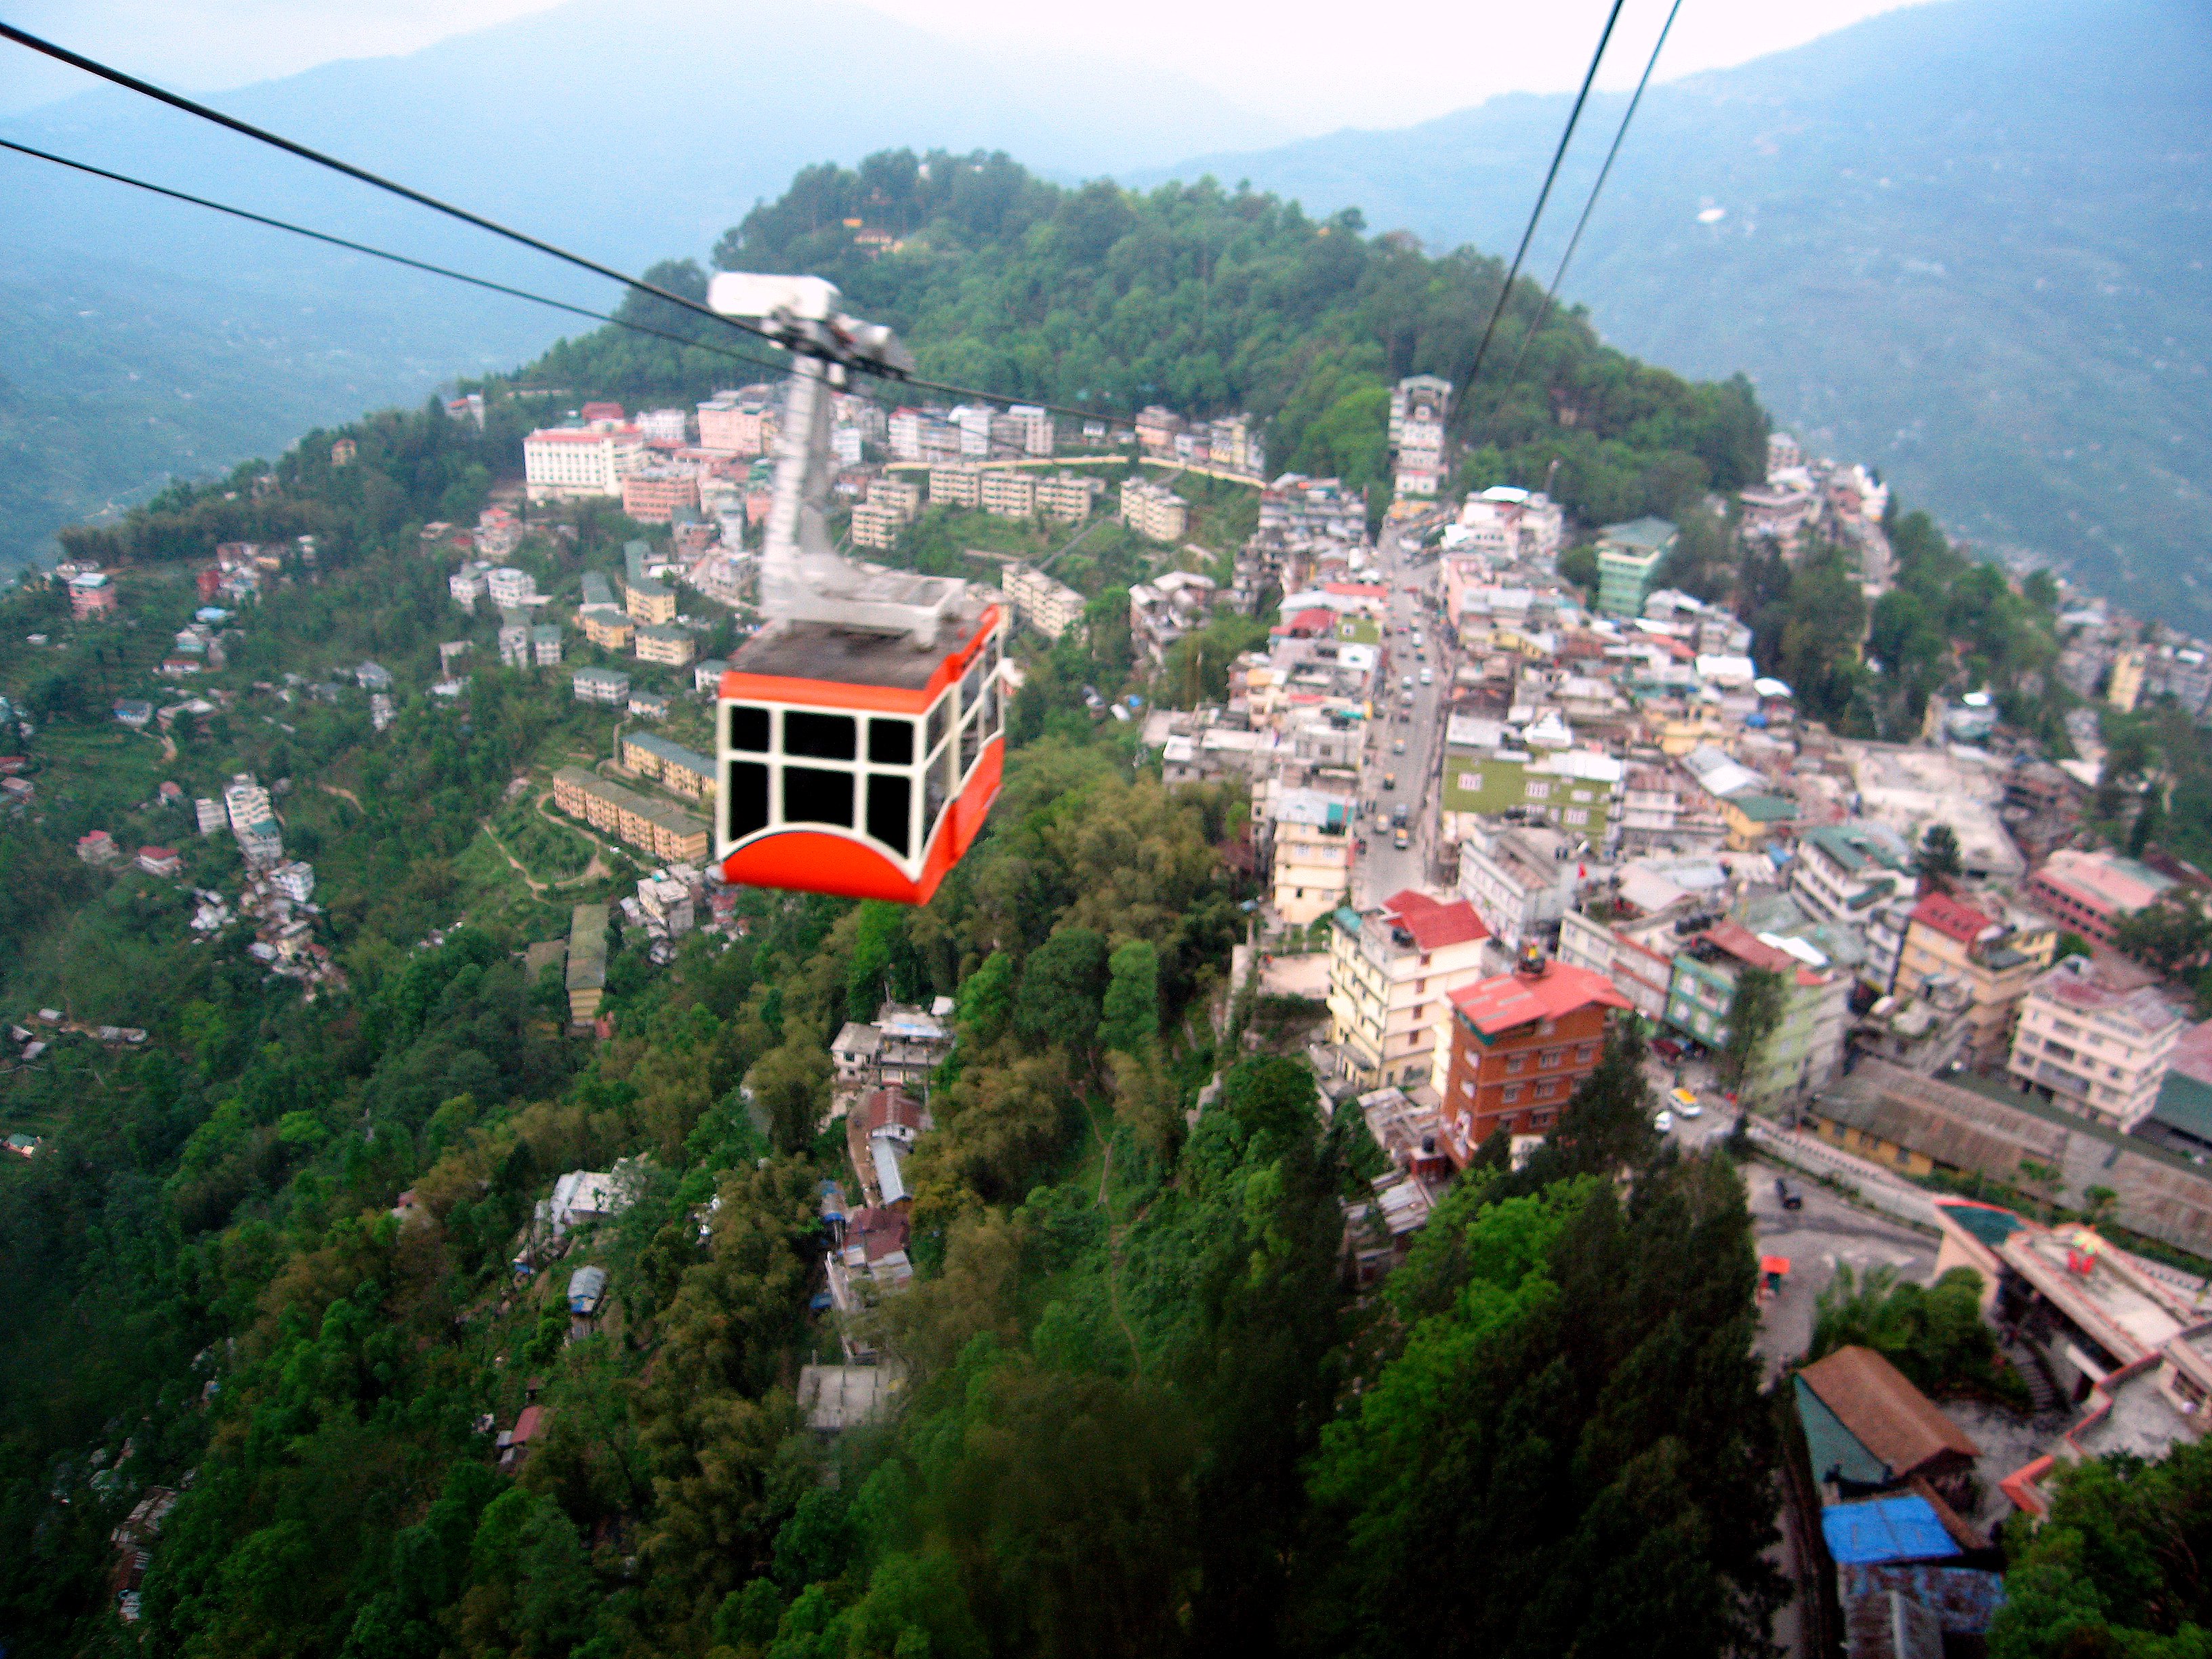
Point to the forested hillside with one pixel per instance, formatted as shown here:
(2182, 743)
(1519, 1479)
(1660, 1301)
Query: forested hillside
(265, 1259)
(1207, 301)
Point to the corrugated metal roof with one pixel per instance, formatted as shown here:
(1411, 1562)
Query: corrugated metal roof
(1878, 1406)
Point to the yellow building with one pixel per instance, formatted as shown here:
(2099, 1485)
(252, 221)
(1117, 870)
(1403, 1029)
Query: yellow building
(2125, 686)
(1007, 495)
(676, 767)
(674, 647)
(651, 602)
(1948, 944)
(955, 483)
(667, 832)
(1391, 974)
(607, 628)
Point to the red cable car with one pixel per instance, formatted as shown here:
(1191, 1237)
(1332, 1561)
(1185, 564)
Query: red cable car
(860, 732)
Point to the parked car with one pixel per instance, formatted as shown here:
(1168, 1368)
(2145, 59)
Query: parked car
(1390, 780)
(1663, 1122)
(1791, 1199)
(1400, 840)
(1399, 747)
(1398, 815)
(1686, 1103)
(1668, 1050)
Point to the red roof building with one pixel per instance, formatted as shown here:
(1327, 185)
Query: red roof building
(1521, 1043)
(1433, 923)
(1953, 918)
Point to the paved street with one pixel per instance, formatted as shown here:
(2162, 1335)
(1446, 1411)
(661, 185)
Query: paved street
(1383, 870)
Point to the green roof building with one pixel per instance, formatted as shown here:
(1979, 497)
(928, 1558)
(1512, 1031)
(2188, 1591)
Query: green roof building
(1628, 555)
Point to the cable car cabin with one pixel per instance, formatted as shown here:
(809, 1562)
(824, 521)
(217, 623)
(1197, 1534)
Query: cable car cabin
(853, 762)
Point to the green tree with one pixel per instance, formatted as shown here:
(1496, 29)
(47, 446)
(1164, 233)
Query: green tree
(1937, 861)
(1755, 1012)
(1933, 1334)
(1131, 1021)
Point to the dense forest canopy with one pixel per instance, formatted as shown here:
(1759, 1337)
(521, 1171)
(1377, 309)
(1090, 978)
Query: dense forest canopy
(1207, 301)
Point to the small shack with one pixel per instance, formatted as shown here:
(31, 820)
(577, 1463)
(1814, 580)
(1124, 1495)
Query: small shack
(1868, 1429)
(587, 1287)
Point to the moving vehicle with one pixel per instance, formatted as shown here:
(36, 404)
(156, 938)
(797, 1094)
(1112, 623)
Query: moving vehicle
(1686, 1103)
(1398, 840)
(1398, 814)
(1398, 747)
(1426, 677)
(1390, 780)
(1406, 683)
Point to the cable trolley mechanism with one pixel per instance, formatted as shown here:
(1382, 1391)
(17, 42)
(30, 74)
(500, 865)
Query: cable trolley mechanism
(860, 732)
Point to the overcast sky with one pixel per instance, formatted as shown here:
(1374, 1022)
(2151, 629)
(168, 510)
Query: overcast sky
(1308, 65)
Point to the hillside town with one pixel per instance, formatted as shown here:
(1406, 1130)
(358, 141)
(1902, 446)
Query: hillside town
(1507, 790)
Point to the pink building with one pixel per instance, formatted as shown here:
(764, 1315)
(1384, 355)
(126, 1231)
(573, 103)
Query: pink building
(91, 595)
(654, 494)
(2092, 892)
(601, 411)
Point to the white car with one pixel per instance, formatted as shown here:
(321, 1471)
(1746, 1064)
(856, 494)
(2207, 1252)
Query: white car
(1426, 677)
(1663, 1122)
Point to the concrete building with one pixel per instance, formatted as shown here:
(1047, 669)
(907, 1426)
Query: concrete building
(1154, 510)
(1050, 607)
(741, 422)
(2085, 1043)
(1805, 1048)
(655, 495)
(678, 769)
(1391, 971)
(607, 628)
(1639, 969)
(545, 645)
(574, 463)
(1521, 1044)
(1069, 497)
(1520, 881)
(2092, 893)
(91, 595)
(1311, 834)
(1164, 610)
(955, 483)
(649, 601)
(877, 524)
(1628, 555)
(607, 685)
(671, 646)
(510, 589)
(668, 833)
(1005, 494)
(1949, 943)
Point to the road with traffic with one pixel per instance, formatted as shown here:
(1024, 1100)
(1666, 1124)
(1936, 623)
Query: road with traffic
(1405, 742)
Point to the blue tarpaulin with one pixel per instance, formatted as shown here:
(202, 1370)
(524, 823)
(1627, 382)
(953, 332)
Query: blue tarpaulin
(1902, 1528)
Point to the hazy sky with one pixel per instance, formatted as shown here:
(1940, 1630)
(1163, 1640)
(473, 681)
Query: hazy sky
(1309, 65)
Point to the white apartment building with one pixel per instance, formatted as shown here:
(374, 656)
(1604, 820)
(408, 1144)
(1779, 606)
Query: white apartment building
(663, 426)
(2096, 1051)
(1007, 495)
(1067, 496)
(1035, 426)
(1050, 607)
(467, 585)
(511, 589)
(564, 464)
(247, 804)
(973, 423)
(1154, 510)
(877, 524)
(1391, 974)
(1638, 972)
(295, 881)
(1520, 881)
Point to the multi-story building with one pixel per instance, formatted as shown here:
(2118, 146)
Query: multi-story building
(91, 594)
(921, 434)
(1233, 443)
(1805, 1046)
(561, 463)
(655, 495)
(1521, 1044)
(1068, 496)
(1624, 954)
(607, 628)
(741, 422)
(1157, 428)
(514, 645)
(666, 832)
(545, 645)
(1949, 943)
(877, 524)
(2123, 689)
(1520, 881)
(649, 600)
(955, 483)
(509, 588)
(662, 425)
(1006, 495)
(1163, 610)
(2092, 893)
(2086, 1044)
(1391, 972)
(1312, 850)
(902, 495)
(608, 685)
(673, 646)
(1154, 510)
(1842, 870)
(1486, 776)
(1628, 555)
(1050, 607)
(679, 769)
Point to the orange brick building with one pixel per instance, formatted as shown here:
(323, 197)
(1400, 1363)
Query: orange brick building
(1520, 1045)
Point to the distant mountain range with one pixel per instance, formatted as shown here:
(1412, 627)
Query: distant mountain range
(629, 139)
(1965, 242)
